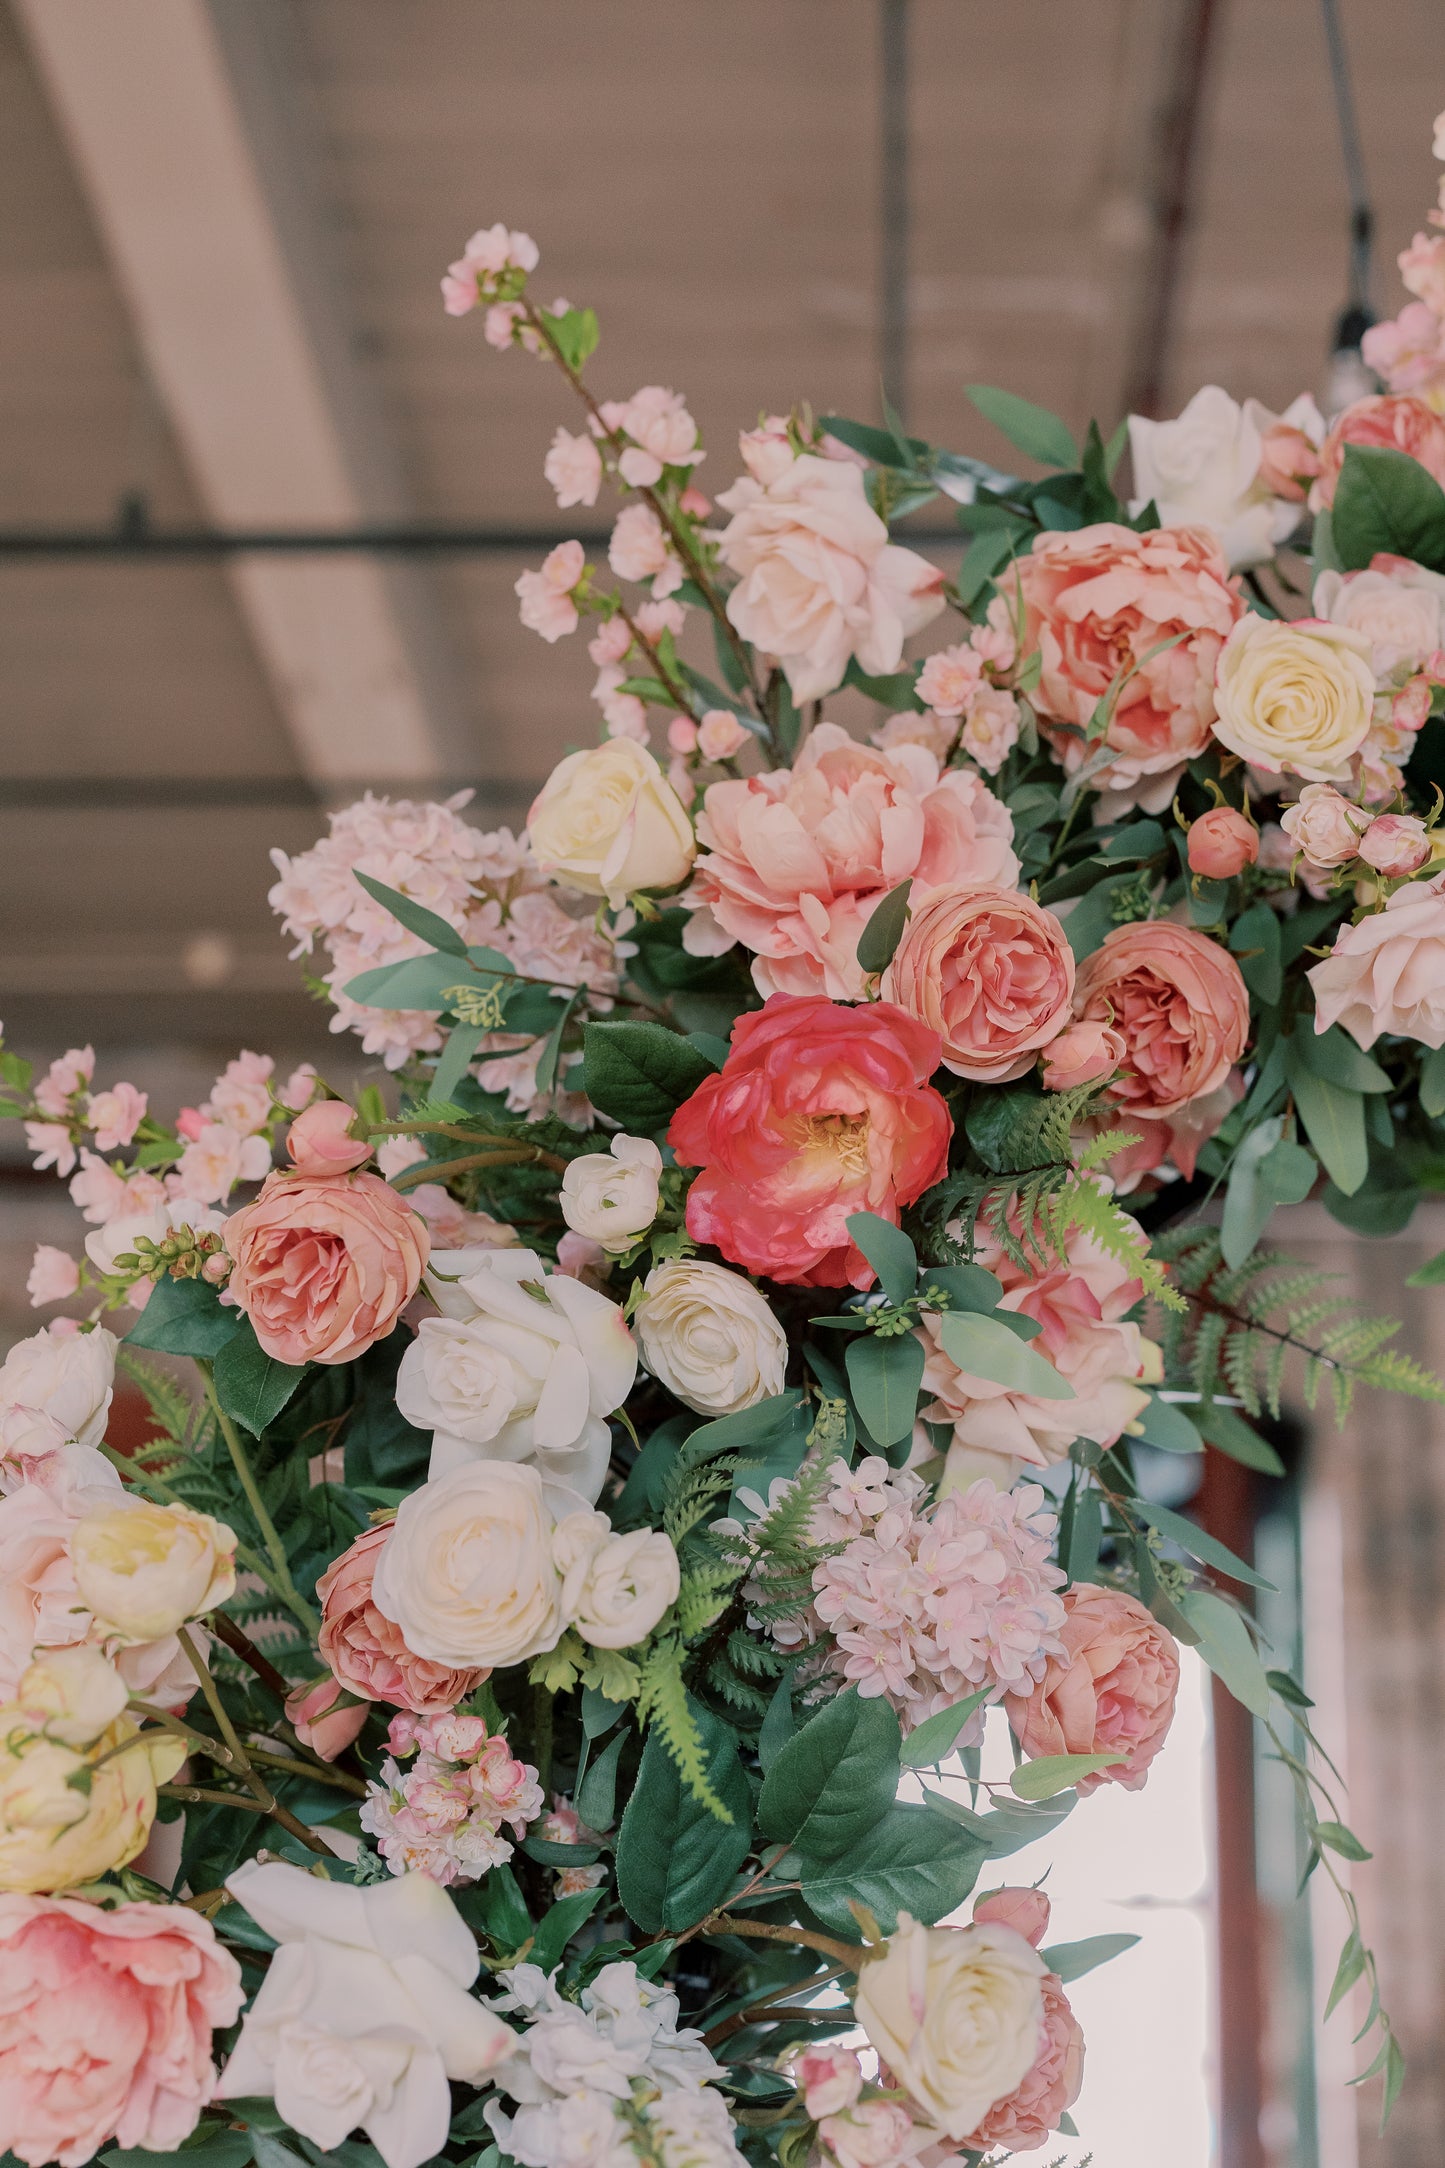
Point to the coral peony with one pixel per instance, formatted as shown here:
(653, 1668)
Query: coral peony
(991, 972)
(106, 2016)
(1094, 603)
(1389, 421)
(796, 861)
(1112, 1691)
(1179, 1003)
(818, 1112)
(365, 1650)
(1387, 974)
(325, 1264)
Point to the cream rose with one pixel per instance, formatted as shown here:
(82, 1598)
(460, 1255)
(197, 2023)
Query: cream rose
(144, 1570)
(1325, 827)
(65, 1374)
(467, 1572)
(614, 1588)
(955, 2012)
(608, 822)
(1203, 470)
(1294, 699)
(710, 1337)
(611, 1198)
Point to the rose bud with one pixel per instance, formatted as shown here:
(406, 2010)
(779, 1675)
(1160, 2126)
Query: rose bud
(1396, 844)
(1222, 843)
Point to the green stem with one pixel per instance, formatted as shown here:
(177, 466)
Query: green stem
(431, 1170)
(241, 1761)
(843, 1954)
(280, 1575)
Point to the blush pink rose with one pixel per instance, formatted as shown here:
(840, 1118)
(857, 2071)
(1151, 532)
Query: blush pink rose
(1222, 843)
(1024, 2118)
(817, 1112)
(1387, 974)
(1111, 1692)
(106, 2017)
(324, 1718)
(1026, 1911)
(818, 581)
(1394, 421)
(1324, 826)
(1396, 844)
(320, 1141)
(991, 972)
(1408, 351)
(325, 1264)
(1178, 1001)
(1094, 602)
(365, 1650)
(796, 861)
(1082, 1054)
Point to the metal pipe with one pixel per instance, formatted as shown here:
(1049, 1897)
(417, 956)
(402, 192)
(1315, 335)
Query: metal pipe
(1179, 142)
(144, 543)
(893, 203)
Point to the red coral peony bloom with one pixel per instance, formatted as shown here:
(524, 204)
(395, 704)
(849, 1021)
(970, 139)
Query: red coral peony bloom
(819, 1111)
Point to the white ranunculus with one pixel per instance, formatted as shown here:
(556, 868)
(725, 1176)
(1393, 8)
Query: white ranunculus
(609, 823)
(710, 1337)
(614, 1588)
(364, 2014)
(65, 1374)
(611, 1197)
(525, 1365)
(955, 2013)
(1401, 612)
(1202, 470)
(467, 1572)
(144, 1570)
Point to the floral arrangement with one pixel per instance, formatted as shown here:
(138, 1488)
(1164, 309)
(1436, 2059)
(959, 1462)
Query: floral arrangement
(612, 1478)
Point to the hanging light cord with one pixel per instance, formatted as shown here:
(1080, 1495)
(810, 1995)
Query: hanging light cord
(1362, 215)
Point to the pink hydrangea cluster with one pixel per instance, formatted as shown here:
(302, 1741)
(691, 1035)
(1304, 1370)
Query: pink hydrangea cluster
(927, 1606)
(443, 1814)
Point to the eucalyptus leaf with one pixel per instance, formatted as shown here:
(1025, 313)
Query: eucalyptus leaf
(935, 1738)
(1164, 1424)
(1197, 1542)
(888, 1250)
(417, 919)
(1432, 1083)
(1333, 1119)
(1032, 428)
(1229, 1433)
(1054, 1773)
(884, 930)
(985, 1348)
(885, 1376)
(1225, 1645)
(1071, 1960)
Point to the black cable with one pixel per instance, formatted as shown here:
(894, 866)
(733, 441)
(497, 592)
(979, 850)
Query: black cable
(1358, 316)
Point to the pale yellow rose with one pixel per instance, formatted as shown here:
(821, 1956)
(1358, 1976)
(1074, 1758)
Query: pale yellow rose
(144, 1569)
(467, 1571)
(609, 823)
(1294, 699)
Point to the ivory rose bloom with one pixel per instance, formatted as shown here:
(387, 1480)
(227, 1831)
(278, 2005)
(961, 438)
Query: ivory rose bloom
(364, 2014)
(818, 580)
(1222, 842)
(1397, 605)
(1295, 698)
(1203, 470)
(614, 1588)
(611, 1197)
(818, 1112)
(1387, 974)
(527, 1365)
(65, 1375)
(1393, 422)
(796, 861)
(1111, 1692)
(1325, 827)
(991, 972)
(106, 2017)
(467, 1572)
(608, 822)
(143, 1570)
(1094, 603)
(365, 1650)
(956, 2013)
(710, 1336)
(324, 1263)
(1179, 1003)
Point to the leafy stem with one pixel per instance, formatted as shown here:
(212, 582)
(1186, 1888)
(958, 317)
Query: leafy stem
(280, 1575)
(843, 1954)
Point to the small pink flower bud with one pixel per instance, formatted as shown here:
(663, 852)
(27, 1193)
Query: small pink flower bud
(694, 503)
(720, 735)
(189, 1124)
(1082, 1053)
(1222, 843)
(320, 1141)
(682, 735)
(1396, 844)
(830, 2080)
(1026, 1911)
(325, 1717)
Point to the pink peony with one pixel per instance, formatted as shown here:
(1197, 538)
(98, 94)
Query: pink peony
(1222, 842)
(991, 972)
(818, 1112)
(54, 1276)
(795, 861)
(1387, 974)
(365, 1650)
(106, 2017)
(1393, 421)
(1112, 1690)
(1094, 602)
(818, 581)
(325, 1264)
(1177, 1000)
(1024, 2118)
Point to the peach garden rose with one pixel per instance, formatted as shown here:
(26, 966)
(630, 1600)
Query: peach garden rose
(1112, 1691)
(991, 972)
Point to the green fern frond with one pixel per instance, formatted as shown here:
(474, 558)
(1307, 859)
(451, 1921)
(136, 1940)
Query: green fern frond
(692, 1493)
(663, 1701)
(1085, 1204)
(171, 1406)
(1394, 1372)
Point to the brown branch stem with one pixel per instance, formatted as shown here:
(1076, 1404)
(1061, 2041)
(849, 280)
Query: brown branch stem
(846, 1956)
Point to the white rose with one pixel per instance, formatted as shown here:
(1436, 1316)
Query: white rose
(525, 1366)
(467, 1571)
(1401, 612)
(364, 2014)
(64, 1374)
(955, 2013)
(612, 1197)
(143, 1570)
(1294, 698)
(710, 1337)
(608, 822)
(614, 1588)
(1202, 470)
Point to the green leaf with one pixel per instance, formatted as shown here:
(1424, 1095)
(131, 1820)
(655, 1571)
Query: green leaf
(1334, 1056)
(1247, 1209)
(417, 982)
(1384, 500)
(1012, 1824)
(1229, 1433)
(895, 692)
(1197, 1542)
(1167, 1426)
(779, 1725)
(1341, 1840)
(184, 1317)
(1086, 1533)
(416, 918)
(1054, 1773)
(1032, 428)
(576, 333)
(251, 1385)
(219, 2148)
(597, 1793)
(888, 1250)
(639, 1074)
(1334, 1121)
(885, 1376)
(1347, 1971)
(934, 1739)
(1071, 1960)
(911, 1861)
(884, 930)
(560, 1924)
(1394, 2078)
(1289, 1689)
(835, 1777)
(968, 1287)
(1428, 1275)
(985, 1348)
(455, 1059)
(1255, 941)
(1432, 1083)
(675, 1859)
(1225, 1645)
